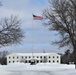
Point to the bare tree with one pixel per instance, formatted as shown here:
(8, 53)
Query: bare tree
(61, 16)
(10, 31)
(66, 57)
(3, 59)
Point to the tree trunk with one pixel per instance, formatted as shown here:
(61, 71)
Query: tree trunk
(74, 56)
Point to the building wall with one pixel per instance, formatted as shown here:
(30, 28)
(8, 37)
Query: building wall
(53, 58)
(13, 58)
(50, 58)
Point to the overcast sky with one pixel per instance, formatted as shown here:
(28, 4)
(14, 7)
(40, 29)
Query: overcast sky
(42, 37)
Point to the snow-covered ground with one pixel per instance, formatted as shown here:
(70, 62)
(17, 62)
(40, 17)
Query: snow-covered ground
(38, 69)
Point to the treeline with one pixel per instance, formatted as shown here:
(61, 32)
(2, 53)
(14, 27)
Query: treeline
(67, 57)
(3, 59)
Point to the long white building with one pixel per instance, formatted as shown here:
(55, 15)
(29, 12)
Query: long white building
(36, 57)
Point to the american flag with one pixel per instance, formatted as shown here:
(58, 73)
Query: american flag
(37, 17)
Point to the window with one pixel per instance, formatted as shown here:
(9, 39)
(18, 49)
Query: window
(13, 57)
(37, 56)
(53, 57)
(22, 57)
(37, 61)
(57, 61)
(25, 61)
(53, 61)
(49, 57)
(9, 57)
(44, 56)
(41, 61)
(29, 57)
(9, 61)
(29, 61)
(13, 61)
(57, 57)
(17, 57)
(49, 61)
(40, 56)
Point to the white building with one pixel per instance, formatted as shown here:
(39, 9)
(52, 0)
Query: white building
(37, 57)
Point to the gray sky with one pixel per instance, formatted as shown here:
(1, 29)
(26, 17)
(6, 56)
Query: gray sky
(42, 37)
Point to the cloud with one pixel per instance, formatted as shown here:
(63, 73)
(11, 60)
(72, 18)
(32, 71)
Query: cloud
(32, 29)
(23, 8)
(8, 12)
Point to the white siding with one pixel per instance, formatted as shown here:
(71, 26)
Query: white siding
(53, 58)
(13, 58)
(39, 57)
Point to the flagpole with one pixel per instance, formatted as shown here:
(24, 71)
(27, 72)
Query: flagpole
(32, 39)
(34, 18)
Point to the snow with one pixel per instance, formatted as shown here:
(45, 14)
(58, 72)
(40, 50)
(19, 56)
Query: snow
(38, 69)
